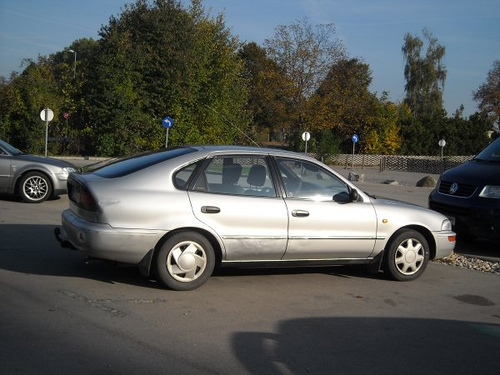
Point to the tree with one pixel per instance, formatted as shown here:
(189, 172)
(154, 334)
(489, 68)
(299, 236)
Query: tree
(267, 91)
(425, 75)
(146, 68)
(304, 53)
(343, 101)
(488, 95)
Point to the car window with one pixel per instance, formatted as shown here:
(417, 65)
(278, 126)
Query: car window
(135, 163)
(237, 175)
(183, 175)
(305, 180)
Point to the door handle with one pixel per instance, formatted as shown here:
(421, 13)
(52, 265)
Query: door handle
(210, 209)
(300, 213)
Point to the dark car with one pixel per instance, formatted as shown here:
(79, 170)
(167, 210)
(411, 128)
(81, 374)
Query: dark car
(470, 195)
(33, 178)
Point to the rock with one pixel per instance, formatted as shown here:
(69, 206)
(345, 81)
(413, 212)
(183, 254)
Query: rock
(427, 181)
(353, 176)
(391, 182)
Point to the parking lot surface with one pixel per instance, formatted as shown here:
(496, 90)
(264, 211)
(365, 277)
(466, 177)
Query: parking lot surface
(59, 314)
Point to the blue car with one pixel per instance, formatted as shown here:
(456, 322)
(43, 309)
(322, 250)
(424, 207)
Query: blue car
(469, 195)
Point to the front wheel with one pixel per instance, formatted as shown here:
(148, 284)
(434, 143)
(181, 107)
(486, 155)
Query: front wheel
(34, 187)
(185, 261)
(407, 256)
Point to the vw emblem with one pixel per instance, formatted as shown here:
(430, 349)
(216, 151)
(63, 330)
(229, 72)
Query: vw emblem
(453, 188)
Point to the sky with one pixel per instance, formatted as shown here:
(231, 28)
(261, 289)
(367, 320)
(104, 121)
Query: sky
(371, 30)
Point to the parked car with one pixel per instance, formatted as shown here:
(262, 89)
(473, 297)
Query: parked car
(469, 195)
(33, 178)
(178, 213)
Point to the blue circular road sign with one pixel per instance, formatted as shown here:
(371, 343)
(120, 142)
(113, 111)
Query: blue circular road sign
(355, 138)
(168, 122)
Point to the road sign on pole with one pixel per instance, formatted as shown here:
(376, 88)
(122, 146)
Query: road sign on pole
(355, 140)
(46, 115)
(305, 137)
(167, 122)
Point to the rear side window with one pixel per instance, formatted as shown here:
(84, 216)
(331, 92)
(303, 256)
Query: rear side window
(237, 175)
(135, 163)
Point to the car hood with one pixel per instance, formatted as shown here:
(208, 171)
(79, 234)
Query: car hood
(474, 171)
(44, 160)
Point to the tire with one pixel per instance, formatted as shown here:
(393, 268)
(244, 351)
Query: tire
(185, 261)
(407, 256)
(35, 187)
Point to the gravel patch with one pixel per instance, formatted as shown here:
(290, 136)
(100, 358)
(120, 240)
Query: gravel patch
(470, 263)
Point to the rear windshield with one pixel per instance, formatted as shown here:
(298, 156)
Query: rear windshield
(135, 163)
(491, 152)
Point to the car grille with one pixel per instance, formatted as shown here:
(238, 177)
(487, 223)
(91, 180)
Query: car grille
(463, 191)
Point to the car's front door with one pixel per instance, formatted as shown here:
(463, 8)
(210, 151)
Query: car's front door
(323, 222)
(236, 197)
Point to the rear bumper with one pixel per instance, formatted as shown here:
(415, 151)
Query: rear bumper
(102, 241)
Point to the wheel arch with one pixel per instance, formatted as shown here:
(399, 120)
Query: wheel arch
(209, 236)
(423, 231)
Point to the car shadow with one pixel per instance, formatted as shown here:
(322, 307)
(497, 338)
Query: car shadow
(33, 249)
(369, 345)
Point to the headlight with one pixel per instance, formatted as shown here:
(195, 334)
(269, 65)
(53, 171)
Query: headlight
(490, 191)
(64, 173)
(446, 225)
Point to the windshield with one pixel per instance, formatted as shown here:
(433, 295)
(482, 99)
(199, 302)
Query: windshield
(491, 152)
(10, 149)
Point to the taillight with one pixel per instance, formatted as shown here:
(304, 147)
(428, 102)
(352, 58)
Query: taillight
(80, 195)
(87, 201)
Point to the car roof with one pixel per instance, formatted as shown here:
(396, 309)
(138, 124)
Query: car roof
(228, 149)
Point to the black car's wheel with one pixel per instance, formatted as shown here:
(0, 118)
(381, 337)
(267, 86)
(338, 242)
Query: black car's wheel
(185, 261)
(34, 187)
(406, 256)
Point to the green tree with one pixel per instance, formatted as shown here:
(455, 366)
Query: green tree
(343, 101)
(146, 68)
(488, 95)
(425, 75)
(267, 92)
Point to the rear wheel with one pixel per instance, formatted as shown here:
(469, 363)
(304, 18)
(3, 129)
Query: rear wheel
(407, 256)
(185, 261)
(34, 187)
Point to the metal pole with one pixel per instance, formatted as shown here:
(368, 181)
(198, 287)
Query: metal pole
(46, 129)
(352, 164)
(166, 140)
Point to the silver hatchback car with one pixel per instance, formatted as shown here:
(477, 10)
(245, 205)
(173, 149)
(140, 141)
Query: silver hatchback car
(181, 212)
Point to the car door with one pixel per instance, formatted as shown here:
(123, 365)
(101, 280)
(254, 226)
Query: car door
(323, 222)
(236, 197)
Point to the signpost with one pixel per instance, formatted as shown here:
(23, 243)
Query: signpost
(306, 136)
(46, 115)
(442, 143)
(167, 122)
(355, 140)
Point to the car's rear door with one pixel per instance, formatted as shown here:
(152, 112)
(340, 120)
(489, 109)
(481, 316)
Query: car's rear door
(236, 197)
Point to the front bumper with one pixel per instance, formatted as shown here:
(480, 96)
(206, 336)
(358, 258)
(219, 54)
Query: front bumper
(101, 241)
(479, 221)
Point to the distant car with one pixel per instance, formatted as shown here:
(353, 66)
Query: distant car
(33, 178)
(470, 195)
(179, 213)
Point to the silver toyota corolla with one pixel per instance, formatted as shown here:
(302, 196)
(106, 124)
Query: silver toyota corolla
(33, 178)
(179, 213)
